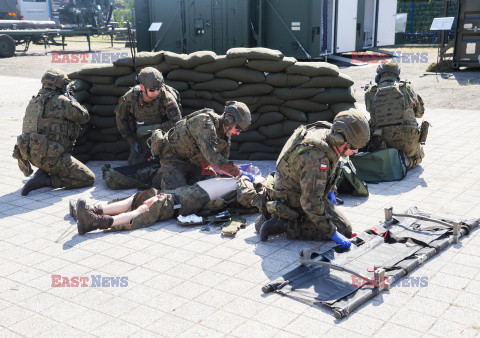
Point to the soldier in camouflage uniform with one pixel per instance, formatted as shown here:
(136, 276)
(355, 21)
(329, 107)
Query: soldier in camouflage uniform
(297, 197)
(197, 143)
(50, 127)
(394, 108)
(148, 106)
(145, 208)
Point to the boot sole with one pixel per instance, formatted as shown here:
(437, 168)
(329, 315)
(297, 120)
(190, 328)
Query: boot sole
(81, 216)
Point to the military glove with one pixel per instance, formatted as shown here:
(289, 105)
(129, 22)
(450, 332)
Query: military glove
(331, 197)
(145, 130)
(340, 239)
(249, 176)
(244, 167)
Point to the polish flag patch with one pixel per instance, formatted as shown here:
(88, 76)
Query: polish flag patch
(323, 167)
(170, 103)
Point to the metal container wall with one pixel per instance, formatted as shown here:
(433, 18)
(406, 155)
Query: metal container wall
(467, 44)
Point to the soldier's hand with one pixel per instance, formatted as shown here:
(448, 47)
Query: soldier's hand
(145, 130)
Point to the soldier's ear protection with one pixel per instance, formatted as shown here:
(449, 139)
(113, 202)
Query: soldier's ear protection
(229, 120)
(336, 139)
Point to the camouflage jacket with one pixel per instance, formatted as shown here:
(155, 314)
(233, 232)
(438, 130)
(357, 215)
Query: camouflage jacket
(62, 118)
(392, 102)
(306, 171)
(133, 112)
(199, 138)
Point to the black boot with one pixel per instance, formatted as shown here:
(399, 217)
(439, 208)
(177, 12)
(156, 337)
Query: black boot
(88, 221)
(40, 180)
(274, 226)
(258, 222)
(98, 209)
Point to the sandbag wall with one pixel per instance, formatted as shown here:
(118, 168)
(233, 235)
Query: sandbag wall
(281, 92)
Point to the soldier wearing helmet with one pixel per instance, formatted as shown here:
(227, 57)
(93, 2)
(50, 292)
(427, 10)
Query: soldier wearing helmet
(144, 108)
(394, 108)
(297, 196)
(50, 127)
(199, 145)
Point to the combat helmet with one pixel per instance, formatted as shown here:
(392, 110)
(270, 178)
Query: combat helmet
(353, 126)
(389, 67)
(54, 79)
(241, 114)
(150, 77)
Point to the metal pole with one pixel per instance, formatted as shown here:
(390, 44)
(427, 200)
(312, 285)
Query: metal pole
(260, 23)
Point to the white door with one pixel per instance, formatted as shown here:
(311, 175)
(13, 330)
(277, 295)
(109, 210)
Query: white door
(346, 25)
(387, 12)
(37, 10)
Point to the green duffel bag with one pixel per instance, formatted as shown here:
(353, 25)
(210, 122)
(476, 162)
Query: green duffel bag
(128, 177)
(349, 182)
(380, 166)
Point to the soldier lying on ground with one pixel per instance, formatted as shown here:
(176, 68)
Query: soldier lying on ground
(394, 108)
(50, 127)
(148, 106)
(297, 198)
(145, 208)
(199, 141)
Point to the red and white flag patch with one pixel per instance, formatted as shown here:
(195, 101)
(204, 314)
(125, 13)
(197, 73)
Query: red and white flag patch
(323, 167)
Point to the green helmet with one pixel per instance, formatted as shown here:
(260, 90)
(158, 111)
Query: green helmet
(54, 79)
(240, 112)
(353, 126)
(150, 77)
(389, 67)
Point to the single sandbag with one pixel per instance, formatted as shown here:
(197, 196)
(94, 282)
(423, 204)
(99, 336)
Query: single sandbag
(271, 66)
(216, 85)
(267, 109)
(104, 110)
(104, 70)
(250, 147)
(220, 98)
(188, 94)
(339, 107)
(326, 115)
(235, 155)
(266, 100)
(261, 156)
(190, 60)
(296, 93)
(248, 89)
(126, 81)
(178, 85)
(103, 122)
(234, 146)
(96, 99)
(278, 130)
(305, 105)
(266, 119)
(221, 62)
(248, 136)
(110, 131)
(284, 80)
(82, 148)
(313, 69)
(103, 157)
(340, 81)
(95, 136)
(163, 67)
(81, 96)
(122, 156)
(201, 103)
(108, 90)
(188, 75)
(92, 79)
(293, 114)
(250, 101)
(241, 74)
(141, 59)
(276, 142)
(203, 94)
(335, 95)
(256, 53)
(110, 147)
(79, 85)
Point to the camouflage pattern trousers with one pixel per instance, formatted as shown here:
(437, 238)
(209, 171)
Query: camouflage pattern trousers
(66, 171)
(306, 230)
(405, 138)
(175, 173)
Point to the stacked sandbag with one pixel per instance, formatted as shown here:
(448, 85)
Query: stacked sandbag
(80, 90)
(281, 93)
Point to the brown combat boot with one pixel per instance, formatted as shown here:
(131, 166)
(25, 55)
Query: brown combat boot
(40, 180)
(88, 221)
(274, 226)
(98, 209)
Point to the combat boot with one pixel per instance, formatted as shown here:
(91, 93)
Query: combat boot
(274, 226)
(88, 221)
(40, 180)
(98, 209)
(258, 222)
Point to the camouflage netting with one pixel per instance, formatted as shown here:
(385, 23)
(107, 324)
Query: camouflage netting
(281, 93)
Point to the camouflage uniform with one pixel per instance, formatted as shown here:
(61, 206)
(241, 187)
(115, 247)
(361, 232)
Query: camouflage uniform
(133, 112)
(195, 143)
(394, 107)
(306, 172)
(47, 148)
(186, 200)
